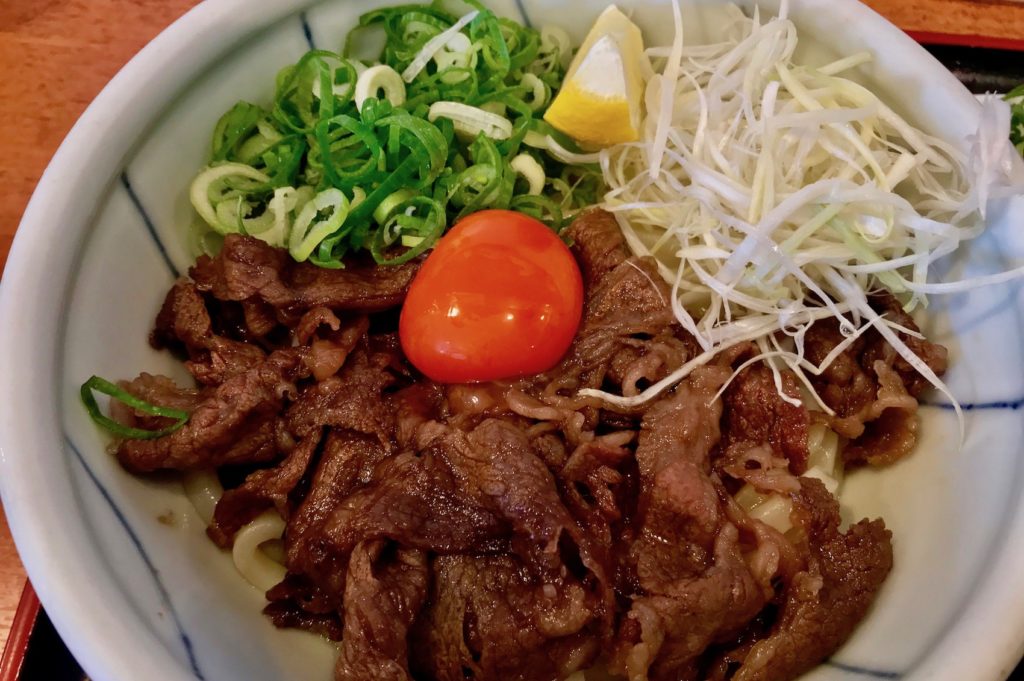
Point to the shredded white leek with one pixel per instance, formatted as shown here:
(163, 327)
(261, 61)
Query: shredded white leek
(774, 194)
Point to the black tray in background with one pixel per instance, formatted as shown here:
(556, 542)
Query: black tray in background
(46, 657)
(982, 69)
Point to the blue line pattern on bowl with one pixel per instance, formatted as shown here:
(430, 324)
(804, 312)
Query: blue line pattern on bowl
(186, 642)
(307, 30)
(1008, 405)
(864, 671)
(522, 10)
(126, 183)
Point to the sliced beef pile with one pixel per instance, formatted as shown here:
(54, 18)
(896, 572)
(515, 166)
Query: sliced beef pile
(871, 388)
(248, 270)
(514, 530)
(628, 337)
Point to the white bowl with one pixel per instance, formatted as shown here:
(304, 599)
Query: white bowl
(104, 237)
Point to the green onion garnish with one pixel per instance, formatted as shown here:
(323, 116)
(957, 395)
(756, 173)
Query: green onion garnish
(1016, 99)
(448, 111)
(105, 387)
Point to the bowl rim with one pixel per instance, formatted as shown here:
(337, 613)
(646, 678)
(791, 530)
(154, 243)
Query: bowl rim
(92, 621)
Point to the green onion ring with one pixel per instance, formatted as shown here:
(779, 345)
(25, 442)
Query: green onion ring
(105, 387)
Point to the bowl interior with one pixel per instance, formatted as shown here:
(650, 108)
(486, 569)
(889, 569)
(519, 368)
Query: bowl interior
(949, 509)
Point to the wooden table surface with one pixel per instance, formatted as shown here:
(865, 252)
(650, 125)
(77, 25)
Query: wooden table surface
(57, 54)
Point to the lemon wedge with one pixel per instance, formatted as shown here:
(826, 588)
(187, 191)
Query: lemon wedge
(599, 103)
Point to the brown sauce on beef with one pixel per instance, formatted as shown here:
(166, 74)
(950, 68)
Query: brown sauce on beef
(512, 531)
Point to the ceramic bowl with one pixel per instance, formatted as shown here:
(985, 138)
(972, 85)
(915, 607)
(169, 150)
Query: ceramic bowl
(122, 564)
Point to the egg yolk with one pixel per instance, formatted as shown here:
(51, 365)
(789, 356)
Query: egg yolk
(499, 297)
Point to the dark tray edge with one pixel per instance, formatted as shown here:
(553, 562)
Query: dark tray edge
(980, 41)
(21, 631)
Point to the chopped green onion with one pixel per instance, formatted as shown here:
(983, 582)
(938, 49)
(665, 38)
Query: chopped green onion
(540, 92)
(434, 45)
(348, 151)
(540, 207)
(342, 81)
(387, 207)
(471, 120)
(214, 186)
(234, 213)
(360, 216)
(531, 170)
(295, 105)
(458, 55)
(555, 49)
(233, 128)
(105, 387)
(380, 79)
(1016, 99)
(285, 200)
(523, 45)
(439, 108)
(320, 218)
(429, 146)
(424, 219)
(486, 30)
